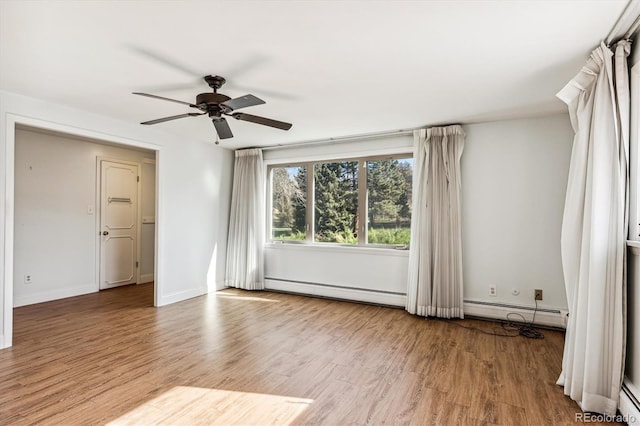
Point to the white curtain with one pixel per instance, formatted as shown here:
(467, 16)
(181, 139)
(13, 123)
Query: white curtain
(435, 257)
(245, 246)
(594, 231)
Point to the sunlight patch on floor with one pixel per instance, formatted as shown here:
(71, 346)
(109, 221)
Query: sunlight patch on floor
(190, 405)
(250, 298)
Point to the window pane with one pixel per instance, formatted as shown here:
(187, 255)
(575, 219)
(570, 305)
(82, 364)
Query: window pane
(389, 201)
(336, 202)
(289, 203)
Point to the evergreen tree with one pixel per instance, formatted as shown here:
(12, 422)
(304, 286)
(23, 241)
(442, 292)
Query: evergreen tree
(336, 200)
(405, 197)
(300, 201)
(387, 191)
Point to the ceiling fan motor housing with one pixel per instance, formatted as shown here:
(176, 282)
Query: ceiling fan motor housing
(211, 102)
(211, 98)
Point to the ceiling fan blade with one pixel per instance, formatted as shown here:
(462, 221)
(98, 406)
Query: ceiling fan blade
(272, 94)
(165, 99)
(165, 60)
(262, 120)
(173, 117)
(222, 127)
(242, 102)
(247, 65)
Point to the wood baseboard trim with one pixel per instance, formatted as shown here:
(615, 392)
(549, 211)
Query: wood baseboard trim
(181, 295)
(146, 278)
(336, 292)
(544, 316)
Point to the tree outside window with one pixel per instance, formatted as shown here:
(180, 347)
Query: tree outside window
(356, 201)
(288, 203)
(389, 201)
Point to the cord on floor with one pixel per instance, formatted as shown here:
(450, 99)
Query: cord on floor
(523, 328)
(510, 327)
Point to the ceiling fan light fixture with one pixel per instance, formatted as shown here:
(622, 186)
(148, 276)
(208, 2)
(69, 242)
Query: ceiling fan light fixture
(216, 105)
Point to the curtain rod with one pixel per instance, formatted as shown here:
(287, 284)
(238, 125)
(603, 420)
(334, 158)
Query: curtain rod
(621, 28)
(633, 28)
(342, 139)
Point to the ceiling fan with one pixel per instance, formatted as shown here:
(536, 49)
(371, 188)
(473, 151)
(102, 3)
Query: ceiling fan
(216, 105)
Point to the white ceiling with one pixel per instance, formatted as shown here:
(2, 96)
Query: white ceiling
(332, 68)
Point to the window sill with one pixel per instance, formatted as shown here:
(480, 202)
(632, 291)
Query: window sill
(341, 248)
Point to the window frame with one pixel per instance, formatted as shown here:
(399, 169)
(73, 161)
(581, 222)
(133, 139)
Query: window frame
(362, 211)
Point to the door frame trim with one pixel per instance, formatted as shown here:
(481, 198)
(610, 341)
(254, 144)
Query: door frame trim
(142, 182)
(13, 120)
(98, 209)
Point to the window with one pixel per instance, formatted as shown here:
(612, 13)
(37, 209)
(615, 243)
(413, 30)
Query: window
(288, 203)
(335, 202)
(365, 201)
(389, 201)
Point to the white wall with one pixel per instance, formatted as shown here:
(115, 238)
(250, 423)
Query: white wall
(351, 273)
(514, 176)
(55, 236)
(194, 180)
(514, 180)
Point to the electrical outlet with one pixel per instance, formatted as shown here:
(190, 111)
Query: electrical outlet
(537, 294)
(28, 279)
(492, 290)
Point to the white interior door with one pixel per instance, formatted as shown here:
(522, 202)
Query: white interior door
(118, 223)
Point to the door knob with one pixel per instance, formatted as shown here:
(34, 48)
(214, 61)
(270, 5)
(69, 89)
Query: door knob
(105, 232)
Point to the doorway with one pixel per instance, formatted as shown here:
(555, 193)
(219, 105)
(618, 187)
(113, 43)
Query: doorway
(57, 242)
(119, 183)
(125, 222)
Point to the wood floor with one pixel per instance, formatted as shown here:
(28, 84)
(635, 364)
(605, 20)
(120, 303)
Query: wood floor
(239, 357)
